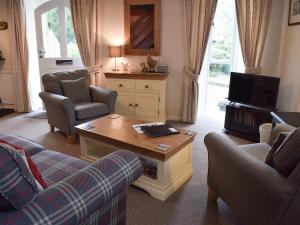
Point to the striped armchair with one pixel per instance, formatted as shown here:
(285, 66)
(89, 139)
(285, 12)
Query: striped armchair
(78, 192)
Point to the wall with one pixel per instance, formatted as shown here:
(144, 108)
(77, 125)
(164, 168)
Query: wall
(6, 69)
(289, 98)
(171, 46)
(270, 59)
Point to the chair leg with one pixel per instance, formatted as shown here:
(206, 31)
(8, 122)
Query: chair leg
(211, 196)
(52, 128)
(71, 139)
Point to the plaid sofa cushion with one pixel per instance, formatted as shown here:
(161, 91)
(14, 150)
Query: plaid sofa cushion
(30, 146)
(55, 166)
(17, 185)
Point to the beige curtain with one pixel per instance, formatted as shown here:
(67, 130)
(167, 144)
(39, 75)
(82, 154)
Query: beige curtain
(16, 13)
(86, 22)
(198, 16)
(253, 20)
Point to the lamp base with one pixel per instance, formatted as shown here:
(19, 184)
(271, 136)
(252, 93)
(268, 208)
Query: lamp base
(115, 70)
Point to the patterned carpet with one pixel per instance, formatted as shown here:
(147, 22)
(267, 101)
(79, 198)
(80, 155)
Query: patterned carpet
(188, 206)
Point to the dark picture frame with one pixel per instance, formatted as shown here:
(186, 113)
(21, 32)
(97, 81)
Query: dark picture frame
(294, 12)
(128, 28)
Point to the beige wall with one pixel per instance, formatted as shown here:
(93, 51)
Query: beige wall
(6, 70)
(172, 51)
(271, 53)
(289, 98)
(171, 46)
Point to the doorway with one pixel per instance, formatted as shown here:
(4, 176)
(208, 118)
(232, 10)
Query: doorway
(56, 42)
(223, 55)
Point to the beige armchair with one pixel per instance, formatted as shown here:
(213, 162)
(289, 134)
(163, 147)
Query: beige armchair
(64, 112)
(255, 191)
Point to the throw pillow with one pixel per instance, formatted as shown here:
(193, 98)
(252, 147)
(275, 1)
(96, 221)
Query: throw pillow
(77, 90)
(277, 143)
(29, 163)
(31, 147)
(17, 185)
(288, 154)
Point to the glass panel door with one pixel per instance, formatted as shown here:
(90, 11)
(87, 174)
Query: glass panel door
(51, 34)
(72, 48)
(57, 46)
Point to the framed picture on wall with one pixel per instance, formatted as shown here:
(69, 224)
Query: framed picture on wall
(294, 12)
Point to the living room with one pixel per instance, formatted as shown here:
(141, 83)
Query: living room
(92, 166)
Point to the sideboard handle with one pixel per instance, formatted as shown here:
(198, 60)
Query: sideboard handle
(136, 105)
(146, 86)
(130, 105)
(120, 85)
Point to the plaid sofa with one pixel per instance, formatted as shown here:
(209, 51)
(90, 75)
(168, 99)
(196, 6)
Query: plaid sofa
(78, 192)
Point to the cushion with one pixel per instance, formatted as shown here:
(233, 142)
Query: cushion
(89, 110)
(288, 154)
(29, 163)
(281, 127)
(30, 146)
(77, 90)
(17, 185)
(276, 144)
(51, 81)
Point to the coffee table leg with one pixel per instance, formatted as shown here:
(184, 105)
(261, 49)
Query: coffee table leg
(172, 174)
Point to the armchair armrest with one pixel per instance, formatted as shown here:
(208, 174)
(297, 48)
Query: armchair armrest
(72, 200)
(240, 179)
(60, 111)
(104, 95)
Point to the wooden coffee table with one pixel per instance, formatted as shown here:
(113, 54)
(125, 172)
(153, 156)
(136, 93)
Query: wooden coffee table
(165, 172)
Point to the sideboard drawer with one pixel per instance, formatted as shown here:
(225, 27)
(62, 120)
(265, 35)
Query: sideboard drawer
(122, 85)
(147, 86)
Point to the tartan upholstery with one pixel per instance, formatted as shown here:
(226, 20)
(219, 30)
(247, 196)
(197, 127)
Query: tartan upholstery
(30, 146)
(92, 195)
(112, 209)
(55, 166)
(17, 185)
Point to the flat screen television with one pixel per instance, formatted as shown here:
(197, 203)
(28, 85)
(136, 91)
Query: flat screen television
(257, 90)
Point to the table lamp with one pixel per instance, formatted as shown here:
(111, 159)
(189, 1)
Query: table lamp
(115, 51)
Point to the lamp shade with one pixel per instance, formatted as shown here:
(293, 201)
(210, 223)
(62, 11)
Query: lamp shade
(115, 51)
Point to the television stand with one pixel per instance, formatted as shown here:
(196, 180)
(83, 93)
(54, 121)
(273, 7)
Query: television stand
(244, 120)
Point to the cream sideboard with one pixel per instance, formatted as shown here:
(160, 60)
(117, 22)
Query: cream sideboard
(140, 95)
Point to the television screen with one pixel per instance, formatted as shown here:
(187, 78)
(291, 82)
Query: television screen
(252, 89)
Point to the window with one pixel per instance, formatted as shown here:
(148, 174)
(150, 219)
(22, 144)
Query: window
(58, 34)
(72, 47)
(223, 55)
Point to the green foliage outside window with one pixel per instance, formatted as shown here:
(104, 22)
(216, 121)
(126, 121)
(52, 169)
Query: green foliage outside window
(53, 25)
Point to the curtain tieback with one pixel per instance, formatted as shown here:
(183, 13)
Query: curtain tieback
(253, 70)
(190, 74)
(94, 69)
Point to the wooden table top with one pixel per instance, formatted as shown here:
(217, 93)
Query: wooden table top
(119, 132)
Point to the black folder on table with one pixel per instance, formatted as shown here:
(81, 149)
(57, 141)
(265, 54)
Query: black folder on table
(159, 130)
